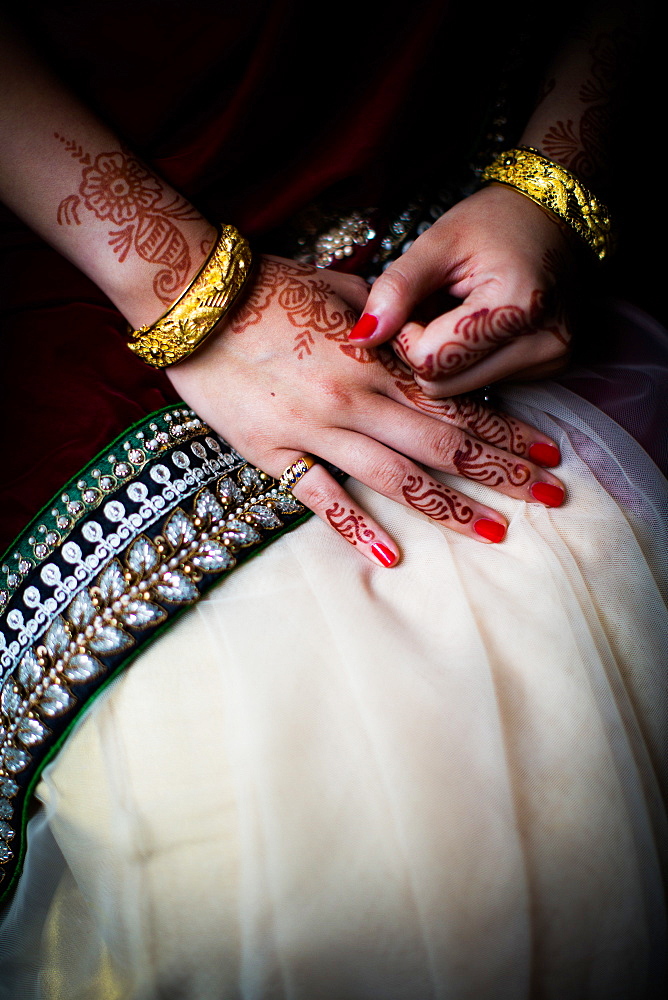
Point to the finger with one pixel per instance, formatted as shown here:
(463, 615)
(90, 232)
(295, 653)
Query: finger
(464, 336)
(395, 294)
(453, 450)
(400, 479)
(538, 349)
(349, 287)
(469, 413)
(321, 493)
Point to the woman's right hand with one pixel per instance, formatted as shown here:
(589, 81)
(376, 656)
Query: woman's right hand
(281, 379)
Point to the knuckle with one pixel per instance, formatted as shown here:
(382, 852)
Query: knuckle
(555, 348)
(447, 441)
(431, 389)
(316, 495)
(395, 283)
(337, 390)
(257, 443)
(388, 476)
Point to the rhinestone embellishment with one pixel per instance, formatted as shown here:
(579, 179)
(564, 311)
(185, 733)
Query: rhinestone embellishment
(152, 577)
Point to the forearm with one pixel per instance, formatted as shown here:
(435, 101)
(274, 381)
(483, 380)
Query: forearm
(74, 182)
(574, 118)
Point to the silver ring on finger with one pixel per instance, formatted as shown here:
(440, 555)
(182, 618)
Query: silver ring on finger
(296, 471)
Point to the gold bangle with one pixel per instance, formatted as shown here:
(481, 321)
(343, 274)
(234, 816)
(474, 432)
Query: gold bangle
(210, 295)
(558, 190)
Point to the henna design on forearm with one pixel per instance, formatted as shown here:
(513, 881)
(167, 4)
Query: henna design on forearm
(350, 525)
(118, 188)
(436, 500)
(475, 462)
(305, 300)
(581, 145)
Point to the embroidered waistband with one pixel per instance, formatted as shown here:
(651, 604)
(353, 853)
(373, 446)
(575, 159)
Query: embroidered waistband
(140, 535)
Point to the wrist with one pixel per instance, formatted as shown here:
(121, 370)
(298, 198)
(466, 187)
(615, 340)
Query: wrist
(143, 293)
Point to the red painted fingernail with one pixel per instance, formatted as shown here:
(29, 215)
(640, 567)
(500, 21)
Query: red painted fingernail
(545, 454)
(363, 328)
(551, 496)
(493, 531)
(384, 555)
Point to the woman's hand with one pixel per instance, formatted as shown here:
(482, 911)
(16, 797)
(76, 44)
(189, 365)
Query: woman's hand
(507, 260)
(281, 379)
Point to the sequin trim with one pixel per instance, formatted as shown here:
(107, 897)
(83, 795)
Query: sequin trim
(122, 569)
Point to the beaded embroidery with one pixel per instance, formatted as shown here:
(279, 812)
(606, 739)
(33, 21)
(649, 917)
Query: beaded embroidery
(179, 514)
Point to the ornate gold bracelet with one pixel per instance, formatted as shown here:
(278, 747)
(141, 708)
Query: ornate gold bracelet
(210, 295)
(558, 190)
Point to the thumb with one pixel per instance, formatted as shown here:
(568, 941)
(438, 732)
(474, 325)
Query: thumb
(396, 293)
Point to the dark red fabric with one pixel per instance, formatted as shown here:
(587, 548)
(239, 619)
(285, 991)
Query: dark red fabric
(252, 109)
(69, 383)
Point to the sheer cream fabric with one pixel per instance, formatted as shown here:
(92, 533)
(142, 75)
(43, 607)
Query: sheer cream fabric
(336, 782)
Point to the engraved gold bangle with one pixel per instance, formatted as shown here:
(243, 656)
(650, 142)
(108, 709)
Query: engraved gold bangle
(210, 295)
(558, 190)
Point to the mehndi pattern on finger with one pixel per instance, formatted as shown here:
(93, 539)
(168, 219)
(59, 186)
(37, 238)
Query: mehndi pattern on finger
(350, 525)
(435, 500)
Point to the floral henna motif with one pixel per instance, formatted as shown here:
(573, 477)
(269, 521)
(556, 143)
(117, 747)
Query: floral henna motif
(350, 525)
(435, 500)
(475, 462)
(305, 300)
(119, 189)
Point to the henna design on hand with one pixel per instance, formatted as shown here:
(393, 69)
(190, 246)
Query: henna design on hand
(304, 298)
(435, 500)
(497, 429)
(118, 188)
(474, 462)
(479, 333)
(482, 331)
(350, 525)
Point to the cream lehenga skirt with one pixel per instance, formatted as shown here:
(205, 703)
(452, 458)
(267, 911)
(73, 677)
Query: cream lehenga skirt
(335, 782)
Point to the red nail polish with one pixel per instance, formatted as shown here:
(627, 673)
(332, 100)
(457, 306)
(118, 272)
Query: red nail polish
(384, 555)
(545, 454)
(493, 531)
(551, 496)
(363, 328)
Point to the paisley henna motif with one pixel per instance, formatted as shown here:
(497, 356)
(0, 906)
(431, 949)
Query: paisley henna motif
(475, 462)
(117, 188)
(435, 500)
(491, 426)
(350, 525)
(481, 332)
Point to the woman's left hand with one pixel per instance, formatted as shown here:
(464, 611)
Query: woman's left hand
(506, 259)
